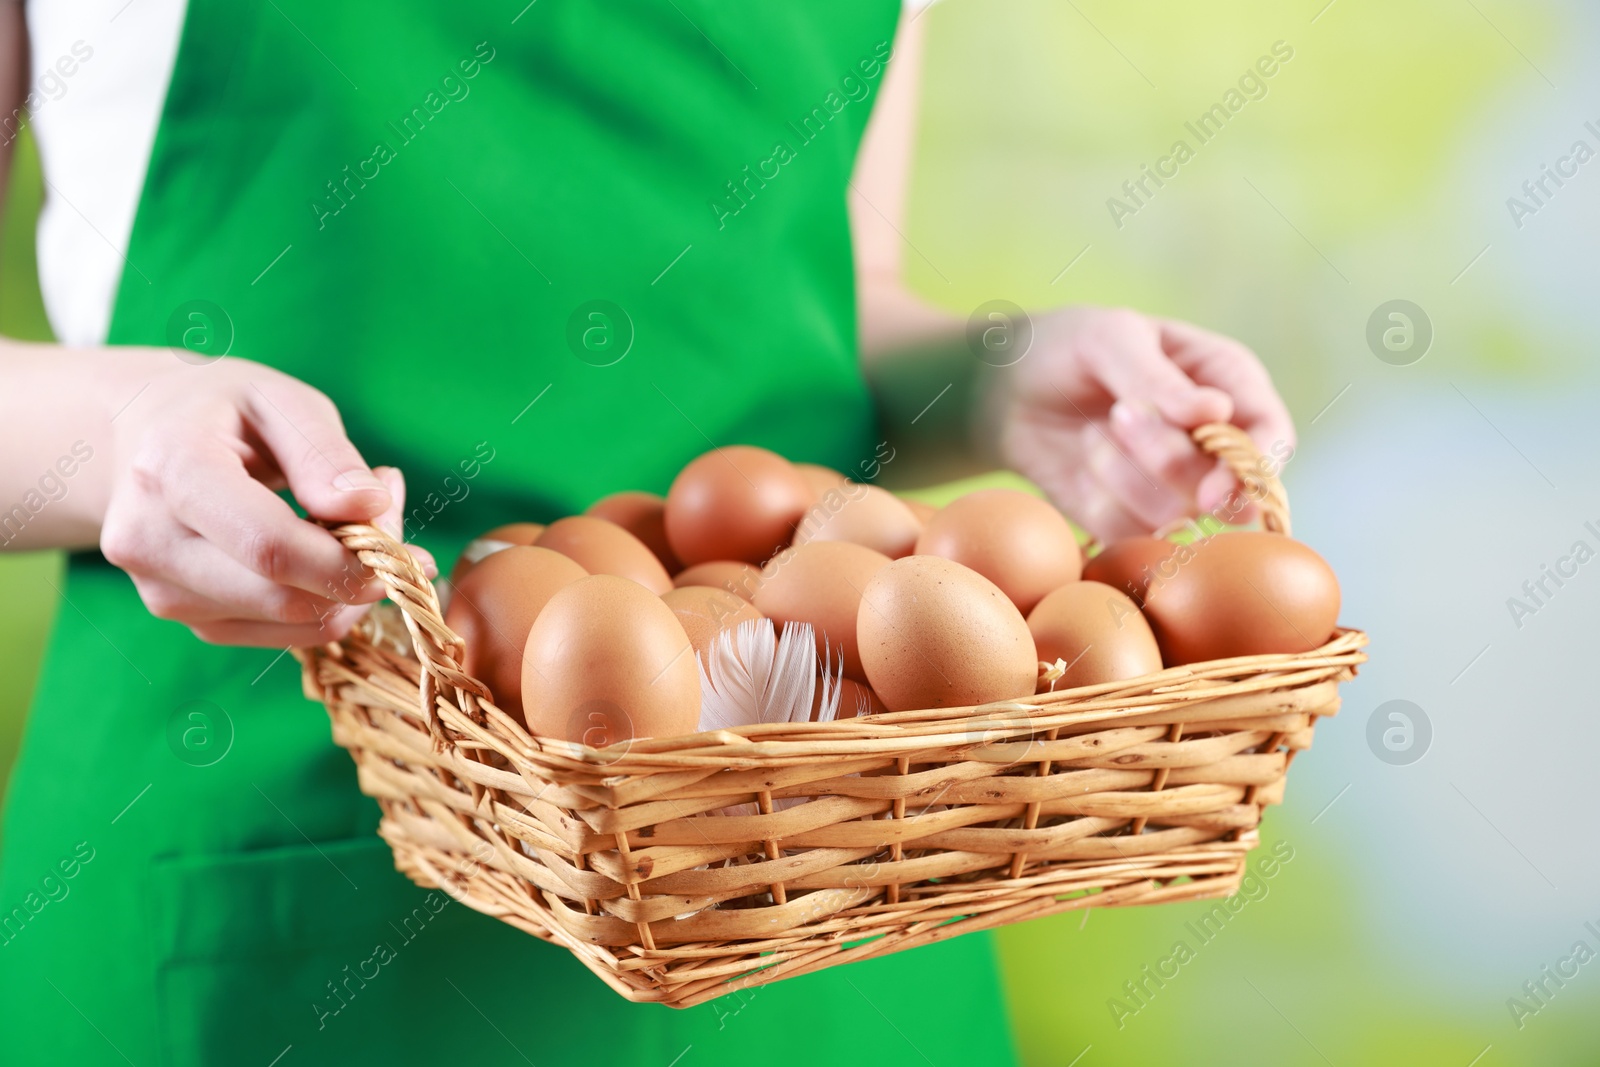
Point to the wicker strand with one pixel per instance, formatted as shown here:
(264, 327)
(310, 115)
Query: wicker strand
(1270, 745)
(1259, 478)
(770, 846)
(1030, 818)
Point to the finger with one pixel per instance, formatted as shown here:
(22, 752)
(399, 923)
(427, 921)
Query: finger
(173, 603)
(274, 635)
(1213, 496)
(211, 494)
(1167, 454)
(182, 577)
(177, 603)
(1152, 502)
(392, 521)
(1259, 410)
(1097, 509)
(306, 437)
(192, 580)
(1128, 360)
(1230, 366)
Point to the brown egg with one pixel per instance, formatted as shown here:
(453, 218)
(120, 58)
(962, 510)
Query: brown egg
(1129, 565)
(605, 548)
(517, 533)
(821, 583)
(854, 699)
(487, 544)
(739, 578)
(820, 479)
(607, 661)
(1016, 540)
(495, 605)
(861, 515)
(935, 634)
(920, 508)
(737, 502)
(1097, 631)
(644, 516)
(1243, 593)
(705, 611)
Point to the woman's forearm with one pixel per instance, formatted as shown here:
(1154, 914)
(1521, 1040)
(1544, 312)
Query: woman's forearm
(58, 408)
(890, 318)
(893, 319)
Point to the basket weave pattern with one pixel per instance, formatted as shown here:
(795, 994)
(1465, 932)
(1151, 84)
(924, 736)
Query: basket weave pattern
(872, 835)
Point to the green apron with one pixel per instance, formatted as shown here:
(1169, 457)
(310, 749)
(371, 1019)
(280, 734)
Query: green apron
(536, 255)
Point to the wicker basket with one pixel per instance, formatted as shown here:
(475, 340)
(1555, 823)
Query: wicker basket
(918, 826)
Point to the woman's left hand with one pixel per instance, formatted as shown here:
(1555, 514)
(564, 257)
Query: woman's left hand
(1097, 414)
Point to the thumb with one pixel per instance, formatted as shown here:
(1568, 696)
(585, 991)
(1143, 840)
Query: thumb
(302, 429)
(393, 520)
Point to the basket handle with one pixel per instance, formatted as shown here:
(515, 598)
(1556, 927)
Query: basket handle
(1259, 478)
(439, 649)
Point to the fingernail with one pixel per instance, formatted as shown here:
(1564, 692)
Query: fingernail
(1133, 413)
(425, 558)
(1213, 405)
(358, 480)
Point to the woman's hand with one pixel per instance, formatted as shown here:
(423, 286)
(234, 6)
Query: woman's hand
(193, 516)
(1097, 414)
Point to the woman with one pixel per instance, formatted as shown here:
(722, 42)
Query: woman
(528, 257)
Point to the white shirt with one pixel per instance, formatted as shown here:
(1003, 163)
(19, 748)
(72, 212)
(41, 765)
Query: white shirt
(94, 127)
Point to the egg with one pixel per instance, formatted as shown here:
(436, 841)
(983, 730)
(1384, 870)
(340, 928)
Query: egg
(821, 583)
(1243, 593)
(1130, 565)
(487, 544)
(935, 634)
(605, 548)
(854, 699)
(644, 516)
(820, 479)
(705, 611)
(921, 509)
(1097, 631)
(739, 578)
(494, 607)
(516, 533)
(1016, 540)
(607, 661)
(862, 515)
(738, 502)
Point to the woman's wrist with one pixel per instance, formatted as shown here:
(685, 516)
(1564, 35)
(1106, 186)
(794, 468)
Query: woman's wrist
(60, 413)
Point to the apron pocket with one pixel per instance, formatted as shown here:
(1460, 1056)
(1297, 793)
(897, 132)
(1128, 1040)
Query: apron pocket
(303, 948)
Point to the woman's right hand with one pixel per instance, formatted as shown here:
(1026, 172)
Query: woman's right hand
(193, 516)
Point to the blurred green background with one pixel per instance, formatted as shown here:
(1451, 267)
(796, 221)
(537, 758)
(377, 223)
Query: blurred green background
(1376, 166)
(25, 578)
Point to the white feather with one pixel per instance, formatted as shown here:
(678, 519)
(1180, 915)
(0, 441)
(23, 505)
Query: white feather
(752, 675)
(832, 687)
